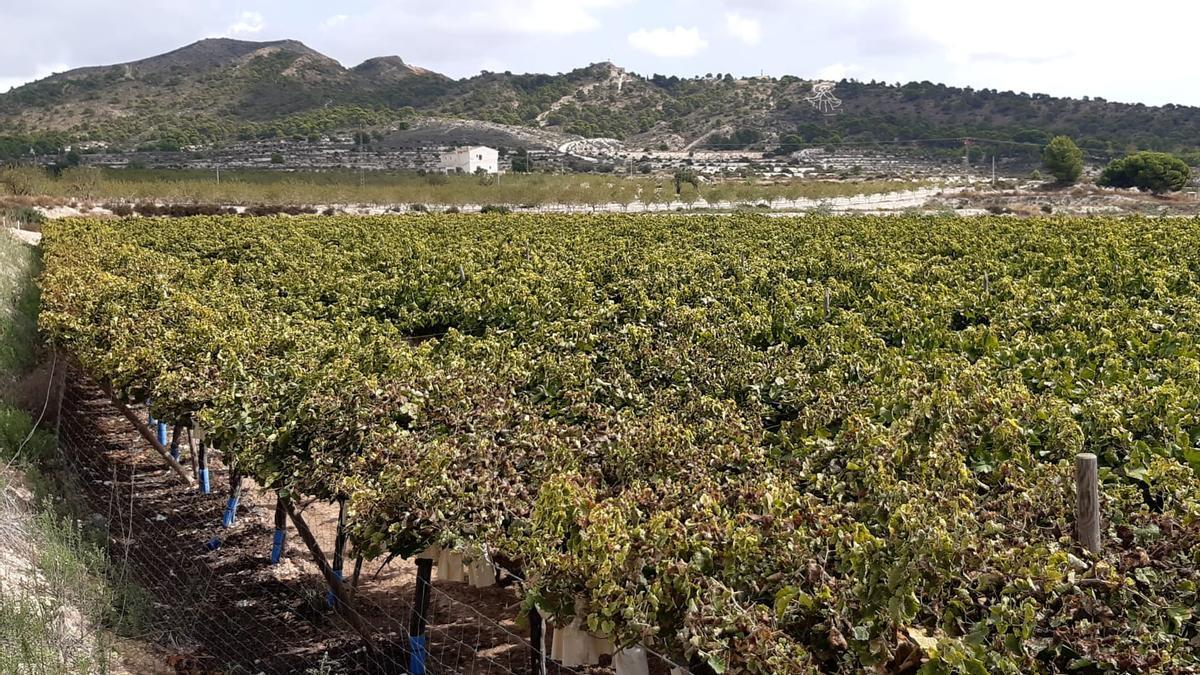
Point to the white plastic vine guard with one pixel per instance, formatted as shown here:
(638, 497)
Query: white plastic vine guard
(631, 661)
(481, 573)
(450, 566)
(573, 646)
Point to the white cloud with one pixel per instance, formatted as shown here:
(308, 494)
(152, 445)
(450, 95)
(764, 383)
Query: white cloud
(334, 21)
(838, 71)
(537, 17)
(743, 28)
(669, 43)
(248, 23)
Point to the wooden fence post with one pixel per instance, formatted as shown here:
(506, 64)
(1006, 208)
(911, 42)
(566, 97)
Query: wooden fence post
(1087, 502)
(419, 617)
(192, 453)
(537, 643)
(280, 539)
(174, 449)
(235, 496)
(202, 471)
(339, 547)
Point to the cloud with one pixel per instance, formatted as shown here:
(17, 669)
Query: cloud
(838, 71)
(248, 23)
(334, 21)
(539, 17)
(743, 28)
(668, 43)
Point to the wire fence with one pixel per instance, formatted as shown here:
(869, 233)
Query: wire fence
(230, 594)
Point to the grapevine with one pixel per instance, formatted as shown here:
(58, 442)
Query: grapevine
(768, 444)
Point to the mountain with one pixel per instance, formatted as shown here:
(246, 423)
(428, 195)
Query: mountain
(222, 89)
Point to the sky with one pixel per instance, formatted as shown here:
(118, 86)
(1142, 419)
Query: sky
(1132, 52)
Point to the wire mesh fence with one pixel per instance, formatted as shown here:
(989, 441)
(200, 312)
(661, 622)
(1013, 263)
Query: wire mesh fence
(230, 594)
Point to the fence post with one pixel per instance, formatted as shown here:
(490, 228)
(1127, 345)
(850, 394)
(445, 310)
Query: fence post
(537, 643)
(174, 439)
(192, 451)
(1087, 502)
(339, 548)
(235, 495)
(280, 532)
(202, 471)
(417, 620)
(62, 392)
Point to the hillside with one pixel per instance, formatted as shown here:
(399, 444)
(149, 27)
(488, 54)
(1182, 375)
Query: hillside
(221, 89)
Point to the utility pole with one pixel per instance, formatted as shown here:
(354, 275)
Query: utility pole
(966, 154)
(993, 170)
(218, 175)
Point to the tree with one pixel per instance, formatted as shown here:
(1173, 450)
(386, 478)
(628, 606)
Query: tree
(1063, 159)
(520, 161)
(1156, 172)
(686, 177)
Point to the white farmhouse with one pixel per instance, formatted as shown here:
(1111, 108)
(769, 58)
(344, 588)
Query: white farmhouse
(471, 159)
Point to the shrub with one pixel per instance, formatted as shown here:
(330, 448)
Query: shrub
(24, 216)
(1156, 172)
(493, 208)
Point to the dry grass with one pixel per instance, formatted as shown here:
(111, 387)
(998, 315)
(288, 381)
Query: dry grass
(33, 186)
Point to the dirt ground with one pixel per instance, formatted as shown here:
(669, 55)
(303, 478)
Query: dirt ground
(230, 610)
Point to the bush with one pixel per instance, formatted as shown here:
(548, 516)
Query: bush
(1156, 172)
(24, 216)
(493, 208)
(17, 433)
(1063, 159)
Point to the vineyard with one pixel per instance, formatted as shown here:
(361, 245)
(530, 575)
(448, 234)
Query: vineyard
(760, 445)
